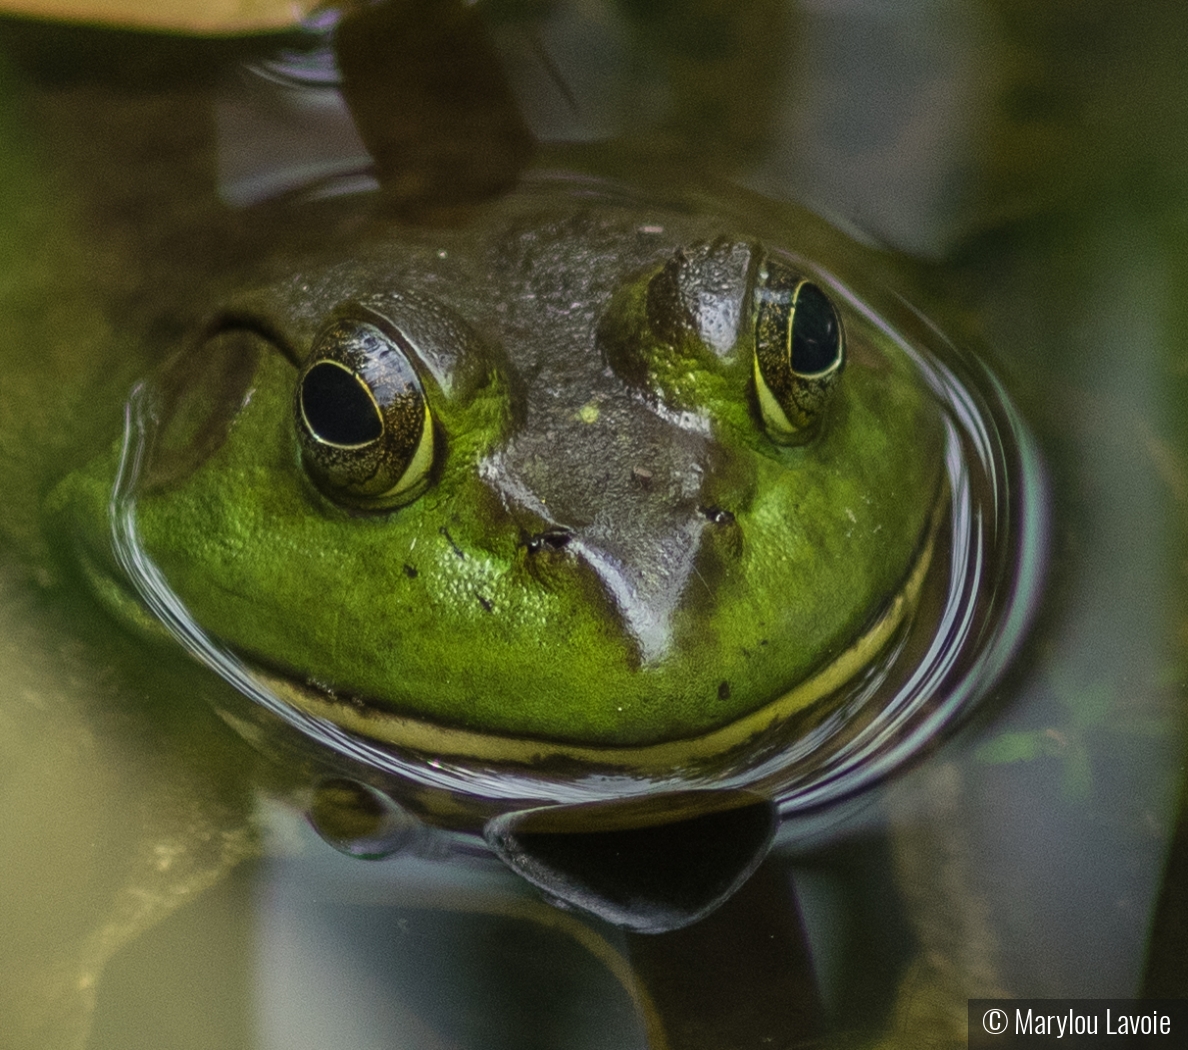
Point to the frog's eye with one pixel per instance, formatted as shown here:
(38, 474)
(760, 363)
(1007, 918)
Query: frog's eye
(799, 351)
(364, 427)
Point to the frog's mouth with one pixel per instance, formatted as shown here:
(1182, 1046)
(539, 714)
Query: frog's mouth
(370, 720)
(315, 708)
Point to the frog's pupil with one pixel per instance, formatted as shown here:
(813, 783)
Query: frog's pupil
(338, 408)
(815, 332)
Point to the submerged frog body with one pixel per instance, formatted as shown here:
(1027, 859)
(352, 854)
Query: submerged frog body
(583, 480)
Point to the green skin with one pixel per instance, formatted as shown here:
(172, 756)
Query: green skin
(558, 401)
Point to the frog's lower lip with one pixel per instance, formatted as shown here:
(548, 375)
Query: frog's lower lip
(377, 723)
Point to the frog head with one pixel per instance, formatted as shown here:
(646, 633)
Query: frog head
(565, 491)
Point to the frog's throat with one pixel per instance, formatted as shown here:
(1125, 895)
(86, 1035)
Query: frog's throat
(433, 738)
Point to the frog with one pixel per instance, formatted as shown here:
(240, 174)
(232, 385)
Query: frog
(586, 482)
(652, 310)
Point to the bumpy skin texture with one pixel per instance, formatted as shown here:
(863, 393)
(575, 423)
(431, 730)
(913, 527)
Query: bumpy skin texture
(705, 569)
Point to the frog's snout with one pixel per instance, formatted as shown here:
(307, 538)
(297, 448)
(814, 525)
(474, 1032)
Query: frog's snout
(644, 548)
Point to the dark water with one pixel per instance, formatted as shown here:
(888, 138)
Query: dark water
(1022, 165)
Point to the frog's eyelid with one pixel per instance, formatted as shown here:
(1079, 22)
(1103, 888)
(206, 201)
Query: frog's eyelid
(361, 313)
(703, 289)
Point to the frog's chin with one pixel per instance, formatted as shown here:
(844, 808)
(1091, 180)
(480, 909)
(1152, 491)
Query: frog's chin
(409, 733)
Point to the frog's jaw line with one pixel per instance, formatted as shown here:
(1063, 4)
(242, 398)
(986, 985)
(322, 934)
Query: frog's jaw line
(669, 757)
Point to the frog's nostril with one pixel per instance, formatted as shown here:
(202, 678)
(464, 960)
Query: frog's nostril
(553, 539)
(717, 516)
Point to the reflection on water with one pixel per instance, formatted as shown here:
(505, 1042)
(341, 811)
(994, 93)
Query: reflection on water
(883, 105)
(332, 952)
(1024, 857)
(1098, 717)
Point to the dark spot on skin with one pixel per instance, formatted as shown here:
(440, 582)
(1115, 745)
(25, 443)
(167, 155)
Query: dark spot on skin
(486, 603)
(549, 540)
(410, 572)
(762, 641)
(643, 477)
(450, 540)
(723, 690)
(718, 516)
